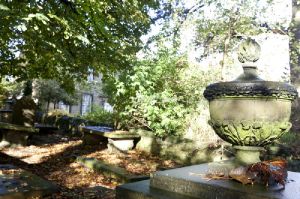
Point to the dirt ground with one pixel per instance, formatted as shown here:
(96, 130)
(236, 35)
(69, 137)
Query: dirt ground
(53, 156)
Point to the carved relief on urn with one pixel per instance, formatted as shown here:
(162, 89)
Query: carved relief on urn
(249, 112)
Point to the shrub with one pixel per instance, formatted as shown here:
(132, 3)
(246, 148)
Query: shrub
(99, 116)
(153, 95)
(53, 116)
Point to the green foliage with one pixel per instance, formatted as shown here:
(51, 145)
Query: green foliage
(51, 91)
(27, 91)
(100, 116)
(3, 92)
(157, 94)
(289, 138)
(223, 21)
(62, 39)
(9, 88)
(295, 44)
(53, 116)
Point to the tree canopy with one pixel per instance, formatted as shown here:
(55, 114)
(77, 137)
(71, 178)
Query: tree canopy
(62, 39)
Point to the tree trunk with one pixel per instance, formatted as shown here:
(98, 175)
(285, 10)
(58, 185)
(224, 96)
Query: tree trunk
(48, 105)
(295, 63)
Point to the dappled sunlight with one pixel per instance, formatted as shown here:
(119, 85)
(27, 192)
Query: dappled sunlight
(38, 154)
(134, 161)
(55, 160)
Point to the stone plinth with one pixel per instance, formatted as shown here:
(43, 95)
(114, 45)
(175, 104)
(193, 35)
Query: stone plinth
(188, 182)
(122, 144)
(121, 140)
(15, 135)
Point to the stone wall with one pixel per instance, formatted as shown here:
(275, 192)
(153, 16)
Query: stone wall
(182, 150)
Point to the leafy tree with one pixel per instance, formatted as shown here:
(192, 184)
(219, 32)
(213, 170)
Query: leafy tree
(62, 39)
(10, 88)
(3, 92)
(27, 90)
(295, 43)
(217, 25)
(51, 91)
(162, 90)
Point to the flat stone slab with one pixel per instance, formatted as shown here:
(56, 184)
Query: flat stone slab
(189, 181)
(16, 183)
(142, 190)
(109, 170)
(45, 127)
(17, 128)
(109, 132)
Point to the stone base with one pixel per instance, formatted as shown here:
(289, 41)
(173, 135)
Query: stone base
(92, 139)
(13, 138)
(122, 144)
(188, 182)
(16, 183)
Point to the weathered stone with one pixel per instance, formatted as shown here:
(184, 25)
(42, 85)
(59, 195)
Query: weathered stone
(188, 182)
(6, 111)
(109, 170)
(20, 128)
(122, 144)
(120, 140)
(94, 192)
(142, 190)
(181, 150)
(16, 184)
(114, 150)
(15, 134)
(92, 139)
(24, 112)
(121, 135)
(148, 142)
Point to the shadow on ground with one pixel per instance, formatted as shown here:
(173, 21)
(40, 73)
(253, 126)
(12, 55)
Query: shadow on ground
(56, 167)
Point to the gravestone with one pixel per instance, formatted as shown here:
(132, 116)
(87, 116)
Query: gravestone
(24, 112)
(189, 183)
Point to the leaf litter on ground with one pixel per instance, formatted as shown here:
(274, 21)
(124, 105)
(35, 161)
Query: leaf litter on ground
(53, 157)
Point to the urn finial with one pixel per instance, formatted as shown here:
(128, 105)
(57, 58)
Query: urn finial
(249, 51)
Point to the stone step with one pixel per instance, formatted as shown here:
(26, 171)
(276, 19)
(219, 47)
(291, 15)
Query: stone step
(16, 183)
(189, 181)
(142, 190)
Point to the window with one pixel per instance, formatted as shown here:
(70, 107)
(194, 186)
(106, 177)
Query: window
(63, 106)
(90, 77)
(86, 103)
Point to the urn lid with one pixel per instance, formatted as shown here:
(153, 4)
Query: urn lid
(249, 84)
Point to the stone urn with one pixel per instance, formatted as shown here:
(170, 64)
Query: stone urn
(249, 112)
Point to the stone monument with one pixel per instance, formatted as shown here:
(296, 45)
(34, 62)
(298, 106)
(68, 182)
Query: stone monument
(249, 113)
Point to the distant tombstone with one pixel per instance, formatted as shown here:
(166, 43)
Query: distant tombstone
(6, 111)
(24, 112)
